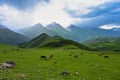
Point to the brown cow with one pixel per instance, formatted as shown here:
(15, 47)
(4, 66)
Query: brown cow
(51, 56)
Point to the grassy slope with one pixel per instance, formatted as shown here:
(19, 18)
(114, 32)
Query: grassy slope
(90, 66)
(46, 41)
(105, 44)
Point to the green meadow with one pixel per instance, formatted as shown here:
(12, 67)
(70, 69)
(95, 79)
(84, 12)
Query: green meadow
(88, 65)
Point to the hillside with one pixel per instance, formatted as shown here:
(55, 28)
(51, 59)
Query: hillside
(105, 44)
(46, 41)
(8, 36)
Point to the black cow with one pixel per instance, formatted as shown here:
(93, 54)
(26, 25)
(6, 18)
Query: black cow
(107, 57)
(64, 73)
(43, 57)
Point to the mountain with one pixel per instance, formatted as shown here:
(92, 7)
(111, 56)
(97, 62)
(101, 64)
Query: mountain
(72, 32)
(105, 43)
(56, 41)
(51, 29)
(85, 34)
(8, 36)
(61, 31)
(57, 28)
(36, 30)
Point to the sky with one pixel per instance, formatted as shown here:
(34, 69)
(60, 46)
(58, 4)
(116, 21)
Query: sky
(16, 14)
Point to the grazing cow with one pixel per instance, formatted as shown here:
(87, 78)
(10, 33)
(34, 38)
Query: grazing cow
(55, 62)
(75, 56)
(51, 56)
(70, 54)
(100, 54)
(64, 73)
(107, 57)
(43, 57)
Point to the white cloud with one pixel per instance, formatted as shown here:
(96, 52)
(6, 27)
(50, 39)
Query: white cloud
(13, 17)
(47, 13)
(110, 26)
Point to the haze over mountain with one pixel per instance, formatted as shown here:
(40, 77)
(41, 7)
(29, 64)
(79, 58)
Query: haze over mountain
(8, 36)
(51, 29)
(72, 32)
(36, 30)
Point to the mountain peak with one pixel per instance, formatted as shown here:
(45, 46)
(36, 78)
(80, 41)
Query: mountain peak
(54, 25)
(38, 24)
(55, 22)
(72, 27)
(44, 34)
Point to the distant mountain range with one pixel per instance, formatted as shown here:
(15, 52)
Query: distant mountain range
(54, 35)
(35, 31)
(72, 32)
(51, 29)
(104, 44)
(45, 40)
(8, 36)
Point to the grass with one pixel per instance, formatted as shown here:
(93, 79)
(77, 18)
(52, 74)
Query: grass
(88, 64)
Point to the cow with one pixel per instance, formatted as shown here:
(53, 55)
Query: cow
(107, 57)
(75, 56)
(43, 57)
(64, 73)
(55, 62)
(70, 54)
(51, 56)
(100, 54)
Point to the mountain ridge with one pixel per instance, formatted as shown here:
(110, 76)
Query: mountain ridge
(45, 40)
(8, 36)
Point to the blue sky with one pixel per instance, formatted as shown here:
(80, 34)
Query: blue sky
(83, 13)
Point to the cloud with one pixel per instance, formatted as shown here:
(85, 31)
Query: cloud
(41, 12)
(110, 26)
(104, 9)
(84, 7)
(100, 20)
(22, 4)
(13, 17)
(18, 14)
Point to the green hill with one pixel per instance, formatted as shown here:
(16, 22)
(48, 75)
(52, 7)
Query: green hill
(8, 36)
(56, 41)
(105, 44)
